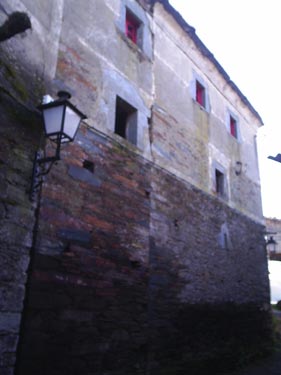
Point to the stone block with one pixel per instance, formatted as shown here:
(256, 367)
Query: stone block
(9, 322)
(11, 297)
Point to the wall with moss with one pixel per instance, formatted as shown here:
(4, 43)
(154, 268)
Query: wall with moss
(18, 131)
(112, 270)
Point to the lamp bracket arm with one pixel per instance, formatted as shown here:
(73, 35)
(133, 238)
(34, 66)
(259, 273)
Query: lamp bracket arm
(40, 170)
(49, 159)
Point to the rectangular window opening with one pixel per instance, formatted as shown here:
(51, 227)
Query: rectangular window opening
(219, 182)
(233, 127)
(126, 120)
(132, 26)
(200, 94)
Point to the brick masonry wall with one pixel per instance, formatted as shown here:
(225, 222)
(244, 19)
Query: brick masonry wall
(130, 276)
(87, 304)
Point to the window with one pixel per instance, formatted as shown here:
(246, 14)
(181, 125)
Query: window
(132, 27)
(126, 120)
(219, 182)
(233, 127)
(224, 238)
(200, 94)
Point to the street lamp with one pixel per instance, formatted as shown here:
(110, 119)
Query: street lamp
(271, 245)
(238, 168)
(61, 122)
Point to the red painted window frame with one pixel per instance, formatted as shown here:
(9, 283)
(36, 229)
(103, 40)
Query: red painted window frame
(233, 127)
(200, 94)
(132, 26)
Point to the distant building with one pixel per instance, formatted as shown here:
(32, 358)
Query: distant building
(144, 252)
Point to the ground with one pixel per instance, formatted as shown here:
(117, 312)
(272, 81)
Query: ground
(270, 365)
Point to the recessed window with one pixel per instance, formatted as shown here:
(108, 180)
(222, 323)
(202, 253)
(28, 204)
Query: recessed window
(126, 120)
(219, 182)
(200, 94)
(233, 127)
(132, 27)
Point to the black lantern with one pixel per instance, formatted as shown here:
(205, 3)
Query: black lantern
(238, 168)
(271, 245)
(61, 122)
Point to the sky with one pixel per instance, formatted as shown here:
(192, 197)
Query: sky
(245, 38)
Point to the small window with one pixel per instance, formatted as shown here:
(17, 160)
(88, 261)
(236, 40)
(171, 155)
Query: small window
(132, 26)
(126, 120)
(200, 94)
(233, 127)
(219, 182)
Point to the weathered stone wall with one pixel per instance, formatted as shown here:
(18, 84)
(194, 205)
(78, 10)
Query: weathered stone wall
(97, 62)
(190, 138)
(207, 241)
(88, 297)
(131, 275)
(126, 257)
(20, 129)
(206, 294)
(17, 128)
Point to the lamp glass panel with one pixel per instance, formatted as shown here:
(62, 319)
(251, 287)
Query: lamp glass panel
(271, 247)
(71, 123)
(52, 119)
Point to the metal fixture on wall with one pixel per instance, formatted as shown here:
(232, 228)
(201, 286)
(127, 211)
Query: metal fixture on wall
(238, 168)
(271, 245)
(61, 122)
(275, 158)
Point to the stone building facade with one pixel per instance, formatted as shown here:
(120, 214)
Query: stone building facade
(152, 260)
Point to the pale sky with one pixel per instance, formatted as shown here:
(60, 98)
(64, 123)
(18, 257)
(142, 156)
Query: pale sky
(245, 38)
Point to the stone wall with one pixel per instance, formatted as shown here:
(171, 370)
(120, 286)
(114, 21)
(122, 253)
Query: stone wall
(131, 273)
(189, 139)
(204, 304)
(20, 130)
(17, 128)
(131, 264)
(88, 297)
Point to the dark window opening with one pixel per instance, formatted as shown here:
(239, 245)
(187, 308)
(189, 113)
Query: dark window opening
(89, 165)
(200, 94)
(233, 127)
(219, 182)
(132, 26)
(126, 120)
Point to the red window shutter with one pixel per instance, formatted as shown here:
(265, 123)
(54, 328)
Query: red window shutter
(233, 128)
(200, 94)
(131, 28)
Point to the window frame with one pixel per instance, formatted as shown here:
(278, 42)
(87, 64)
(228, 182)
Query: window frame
(132, 20)
(199, 88)
(144, 42)
(233, 126)
(200, 93)
(219, 182)
(126, 120)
